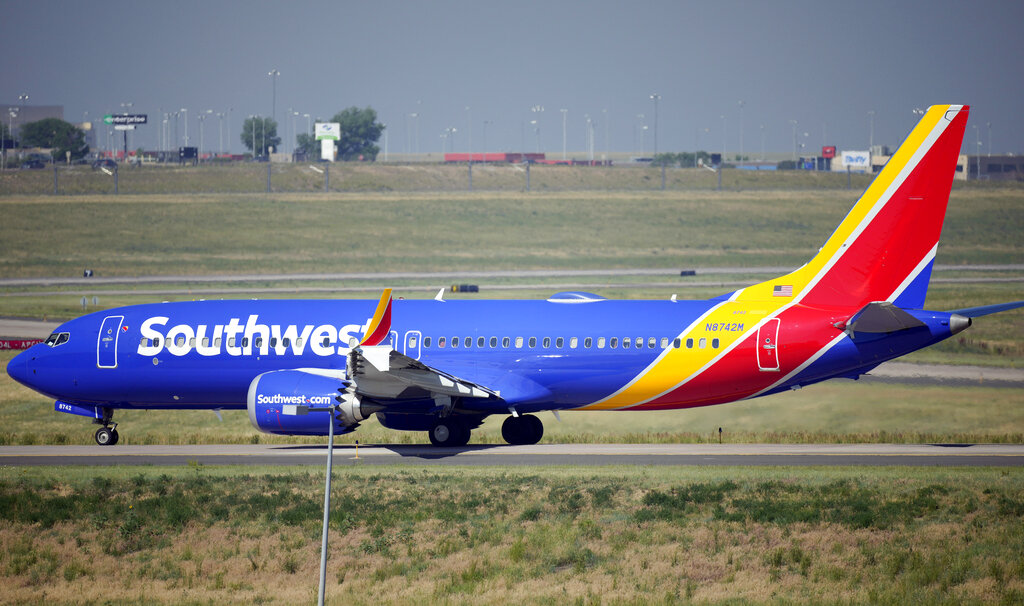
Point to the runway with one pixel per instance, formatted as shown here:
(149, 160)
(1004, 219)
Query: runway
(578, 455)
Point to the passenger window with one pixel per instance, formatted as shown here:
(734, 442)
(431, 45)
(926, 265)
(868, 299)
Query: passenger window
(273, 341)
(144, 343)
(714, 343)
(652, 343)
(245, 342)
(494, 341)
(231, 342)
(413, 341)
(600, 342)
(326, 342)
(441, 342)
(216, 342)
(547, 342)
(573, 341)
(613, 343)
(206, 341)
(676, 343)
(639, 342)
(286, 341)
(505, 342)
(626, 343)
(469, 342)
(588, 342)
(426, 341)
(519, 342)
(533, 342)
(689, 344)
(703, 343)
(180, 340)
(664, 342)
(559, 342)
(298, 342)
(480, 342)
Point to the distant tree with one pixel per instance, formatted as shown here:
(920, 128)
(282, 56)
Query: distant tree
(60, 136)
(307, 144)
(260, 134)
(360, 132)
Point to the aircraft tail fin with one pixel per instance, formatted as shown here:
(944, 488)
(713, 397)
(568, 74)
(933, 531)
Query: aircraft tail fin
(380, 324)
(884, 249)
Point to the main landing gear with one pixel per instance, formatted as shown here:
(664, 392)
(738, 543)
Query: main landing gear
(106, 435)
(524, 429)
(449, 431)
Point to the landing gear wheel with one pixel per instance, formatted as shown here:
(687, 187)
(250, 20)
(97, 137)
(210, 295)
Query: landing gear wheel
(524, 429)
(116, 436)
(449, 432)
(106, 436)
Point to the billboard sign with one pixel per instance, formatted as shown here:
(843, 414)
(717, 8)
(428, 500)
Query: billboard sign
(828, 151)
(328, 131)
(125, 119)
(857, 159)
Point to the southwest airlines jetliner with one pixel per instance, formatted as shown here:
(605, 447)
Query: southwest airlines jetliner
(443, 366)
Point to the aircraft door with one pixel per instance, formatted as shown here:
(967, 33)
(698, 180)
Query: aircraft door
(413, 340)
(106, 342)
(767, 346)
(393, 335)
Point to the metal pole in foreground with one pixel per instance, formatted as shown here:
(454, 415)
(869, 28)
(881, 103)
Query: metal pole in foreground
(327, 508)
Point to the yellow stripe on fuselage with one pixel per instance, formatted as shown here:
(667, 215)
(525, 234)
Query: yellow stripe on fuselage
(727, 322)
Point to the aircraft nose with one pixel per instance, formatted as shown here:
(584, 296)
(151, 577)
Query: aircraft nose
(17, 368)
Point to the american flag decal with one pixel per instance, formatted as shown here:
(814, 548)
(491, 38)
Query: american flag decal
(782, 291)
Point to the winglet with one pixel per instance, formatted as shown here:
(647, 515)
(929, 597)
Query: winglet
(380, 324)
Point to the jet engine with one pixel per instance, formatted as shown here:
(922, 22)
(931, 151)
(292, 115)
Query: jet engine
(296, 402)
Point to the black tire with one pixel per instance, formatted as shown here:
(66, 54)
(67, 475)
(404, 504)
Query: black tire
(449, 432)
(522, 430)
(105, 437)
(116, 436)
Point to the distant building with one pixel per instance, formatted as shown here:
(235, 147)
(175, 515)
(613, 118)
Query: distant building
(995, 168)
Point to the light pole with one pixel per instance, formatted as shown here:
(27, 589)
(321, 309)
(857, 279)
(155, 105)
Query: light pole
(11, 112)
(230, 109)
(220, 133)
(794, 123)
(124, 110)
(989, 124)
(762, 143)
(537, 109)
(185, 118)
(536, 131)
(977, 141)
(723, 139)
(741, 131)
(295, 133)
(252, 119)
(469, 124)
(606, 121)
(565, 113)
(486, 122)
(655, 97)
(871, 131)
(638, 133)
(202, 134)
(273, 107)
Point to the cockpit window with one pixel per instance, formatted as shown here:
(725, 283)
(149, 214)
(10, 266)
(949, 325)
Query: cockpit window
(57, 338)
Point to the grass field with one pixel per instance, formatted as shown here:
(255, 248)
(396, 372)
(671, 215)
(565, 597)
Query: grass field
(525, 536)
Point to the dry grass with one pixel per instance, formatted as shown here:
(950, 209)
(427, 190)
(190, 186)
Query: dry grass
(532, 536)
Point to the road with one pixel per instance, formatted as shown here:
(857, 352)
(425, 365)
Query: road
(440, 275)
(582, 455)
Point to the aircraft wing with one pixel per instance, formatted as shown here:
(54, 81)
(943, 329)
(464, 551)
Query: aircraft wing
(378, 371)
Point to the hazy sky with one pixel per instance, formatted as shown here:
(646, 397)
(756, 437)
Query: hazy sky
(823, 64)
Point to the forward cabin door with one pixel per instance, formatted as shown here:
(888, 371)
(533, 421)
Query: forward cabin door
(106, 343)
(767, 346)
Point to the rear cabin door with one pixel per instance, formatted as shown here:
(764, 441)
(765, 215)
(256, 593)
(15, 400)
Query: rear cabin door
(106, 343)
(767, 346)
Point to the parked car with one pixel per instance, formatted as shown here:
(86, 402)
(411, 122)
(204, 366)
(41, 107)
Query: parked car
(32, 164)
(104, 163)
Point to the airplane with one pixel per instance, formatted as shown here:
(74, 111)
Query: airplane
(443, 366)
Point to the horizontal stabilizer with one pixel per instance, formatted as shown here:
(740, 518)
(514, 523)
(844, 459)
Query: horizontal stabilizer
(984, 310)
(881, 317)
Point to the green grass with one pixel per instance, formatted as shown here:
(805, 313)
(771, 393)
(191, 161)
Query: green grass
(614, 535)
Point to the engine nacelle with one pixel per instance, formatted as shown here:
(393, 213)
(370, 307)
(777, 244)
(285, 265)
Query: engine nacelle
(294, 402)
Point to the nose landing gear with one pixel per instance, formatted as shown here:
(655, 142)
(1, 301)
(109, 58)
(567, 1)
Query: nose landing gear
(106, 435)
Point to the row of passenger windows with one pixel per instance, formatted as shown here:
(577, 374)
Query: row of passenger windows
(574, 342)
(464, 342)
(232, 342)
